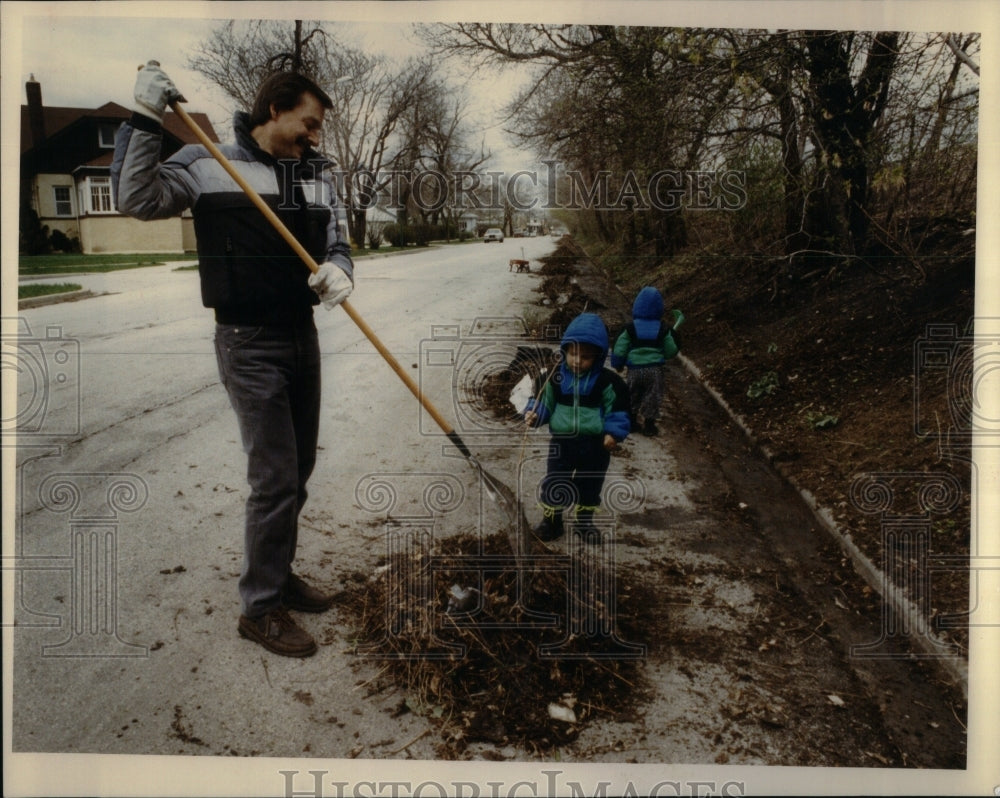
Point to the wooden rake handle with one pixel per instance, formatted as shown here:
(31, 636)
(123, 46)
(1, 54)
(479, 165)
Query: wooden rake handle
(301, 251)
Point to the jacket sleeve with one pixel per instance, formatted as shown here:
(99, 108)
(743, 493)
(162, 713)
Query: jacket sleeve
(616, 407)
(671, 344)
(142, 186)
(543, 404)
(338, 249)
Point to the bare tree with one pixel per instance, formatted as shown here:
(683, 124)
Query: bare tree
(373, 100)
(238, 56)
(824, 115)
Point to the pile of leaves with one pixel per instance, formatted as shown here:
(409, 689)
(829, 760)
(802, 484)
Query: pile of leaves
(484, 645)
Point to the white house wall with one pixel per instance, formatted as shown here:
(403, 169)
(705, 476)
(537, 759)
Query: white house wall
(114, 233)
(44, 202)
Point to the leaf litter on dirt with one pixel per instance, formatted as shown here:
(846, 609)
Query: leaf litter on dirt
(535, 652)
(519, 667)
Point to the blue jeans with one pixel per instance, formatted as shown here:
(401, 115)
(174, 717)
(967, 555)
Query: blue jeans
(272, 376)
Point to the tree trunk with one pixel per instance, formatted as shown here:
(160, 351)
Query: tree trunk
(844, 116)
(359, 229)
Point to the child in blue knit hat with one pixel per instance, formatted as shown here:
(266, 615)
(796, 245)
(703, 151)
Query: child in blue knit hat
(644, 346)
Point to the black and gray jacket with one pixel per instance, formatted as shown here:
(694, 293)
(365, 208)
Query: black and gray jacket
(249, 274)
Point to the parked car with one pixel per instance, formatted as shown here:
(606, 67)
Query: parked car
(493, 234)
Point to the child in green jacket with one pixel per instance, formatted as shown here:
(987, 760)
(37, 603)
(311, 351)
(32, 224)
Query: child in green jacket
(644, 346)
(586, 408)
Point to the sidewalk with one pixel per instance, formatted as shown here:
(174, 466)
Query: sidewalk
(94, 284)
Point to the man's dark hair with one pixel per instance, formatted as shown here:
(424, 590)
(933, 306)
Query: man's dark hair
(284, 91)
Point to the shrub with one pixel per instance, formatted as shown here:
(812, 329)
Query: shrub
(33, 236)
(63, 243)
(423, 234)
(397, 234)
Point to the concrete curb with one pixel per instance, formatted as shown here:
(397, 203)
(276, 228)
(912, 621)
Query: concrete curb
(52, 299)
(409, 251)
(925, 640)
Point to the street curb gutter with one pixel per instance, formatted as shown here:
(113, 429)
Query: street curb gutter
(925, 640)
(51, 299)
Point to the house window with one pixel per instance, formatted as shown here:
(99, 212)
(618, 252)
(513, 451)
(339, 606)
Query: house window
(99, 195)
(106, 135)
(64, 205)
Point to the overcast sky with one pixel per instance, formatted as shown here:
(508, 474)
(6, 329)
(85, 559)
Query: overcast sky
(86, 54)
(86, 61)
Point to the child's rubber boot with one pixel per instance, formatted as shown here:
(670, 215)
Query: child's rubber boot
(584, 527)
(551, 525)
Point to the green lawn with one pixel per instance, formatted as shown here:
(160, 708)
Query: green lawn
(44, 289)
(69, 263)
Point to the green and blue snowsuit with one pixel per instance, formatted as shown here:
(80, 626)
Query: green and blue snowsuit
(644, 346)
(580, 410)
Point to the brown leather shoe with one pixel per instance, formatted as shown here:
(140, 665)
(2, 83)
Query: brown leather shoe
(303, 597)
(277, 632)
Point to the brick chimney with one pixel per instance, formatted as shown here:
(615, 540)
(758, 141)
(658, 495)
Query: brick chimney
(36, 118)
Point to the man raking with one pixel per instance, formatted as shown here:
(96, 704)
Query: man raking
(263, 296)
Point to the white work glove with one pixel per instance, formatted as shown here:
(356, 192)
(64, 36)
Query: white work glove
(332, 284)
(154, 91)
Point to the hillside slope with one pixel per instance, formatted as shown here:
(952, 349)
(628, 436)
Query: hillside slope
(856, 381)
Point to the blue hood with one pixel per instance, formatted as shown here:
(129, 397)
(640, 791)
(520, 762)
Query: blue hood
(648, 305)
(647, 310)
(587, 328)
